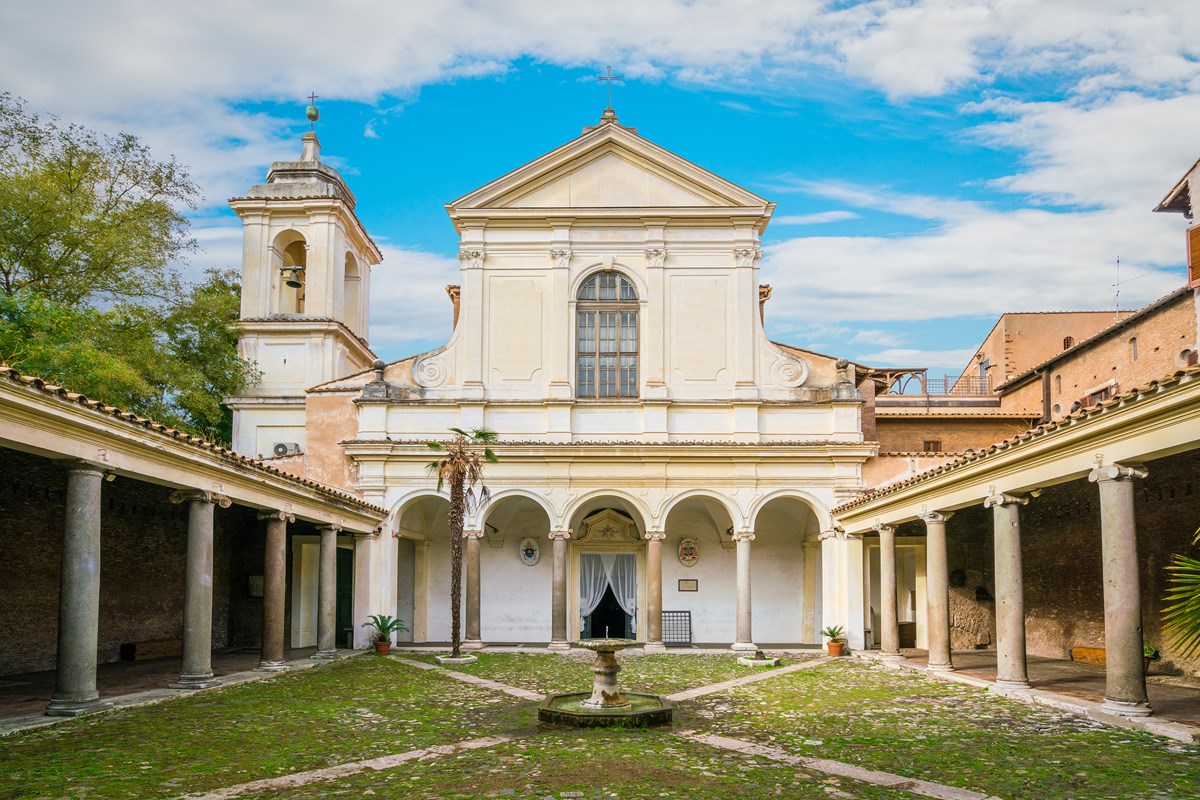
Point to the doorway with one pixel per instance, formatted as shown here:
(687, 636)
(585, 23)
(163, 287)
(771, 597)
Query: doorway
(608, 595)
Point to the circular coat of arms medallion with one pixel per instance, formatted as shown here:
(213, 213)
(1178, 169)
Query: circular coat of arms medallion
(689, 552)
(530, 552)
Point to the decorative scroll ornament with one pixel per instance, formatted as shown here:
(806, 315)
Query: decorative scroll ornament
(789, 372)
(561, 258)
(201, 496)
(530, 552)
(655, 257)
(689, 552)
(746, 256)
(429, 372)
(471, 259)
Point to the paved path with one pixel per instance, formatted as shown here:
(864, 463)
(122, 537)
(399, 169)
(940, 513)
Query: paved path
(466, 677)
(713, 688)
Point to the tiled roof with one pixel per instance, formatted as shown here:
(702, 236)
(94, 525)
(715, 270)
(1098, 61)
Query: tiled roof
(1077, 418)
(146, 424)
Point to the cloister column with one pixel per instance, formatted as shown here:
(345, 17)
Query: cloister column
(937, 589)
(472, 640)
(1125, 682)
(196, 672)
(654, 642)
(274, 589)
(79, 596)
(889, 634)
(558, 599)
(327, 594)
(744, 639)
(1011, 671)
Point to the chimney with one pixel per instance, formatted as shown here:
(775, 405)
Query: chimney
(454, 292)
(764, 294)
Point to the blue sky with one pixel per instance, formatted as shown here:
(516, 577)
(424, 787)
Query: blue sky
(935, 162)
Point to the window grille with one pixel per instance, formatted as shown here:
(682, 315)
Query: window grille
(677, 627)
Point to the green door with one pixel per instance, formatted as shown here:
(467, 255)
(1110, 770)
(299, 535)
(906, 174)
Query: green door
(344, 630)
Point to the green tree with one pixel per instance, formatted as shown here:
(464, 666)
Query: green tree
(86, 216)
(461, 468)
(1181, 619)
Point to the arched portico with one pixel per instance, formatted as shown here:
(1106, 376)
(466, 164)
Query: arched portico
(704, 583)
(510, 549)
(422, 536)
(786, 569)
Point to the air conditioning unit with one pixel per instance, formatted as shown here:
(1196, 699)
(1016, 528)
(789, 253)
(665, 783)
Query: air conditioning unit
(287, 448)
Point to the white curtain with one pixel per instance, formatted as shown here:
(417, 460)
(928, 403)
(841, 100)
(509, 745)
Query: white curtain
(622, 576)
(593, 580)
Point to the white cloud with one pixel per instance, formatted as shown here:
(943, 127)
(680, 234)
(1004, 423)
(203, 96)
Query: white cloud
(877, 337)
(410, 312)
(902, 357)
(817, 218)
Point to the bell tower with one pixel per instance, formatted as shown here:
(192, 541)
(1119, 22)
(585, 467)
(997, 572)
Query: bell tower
(306, 277)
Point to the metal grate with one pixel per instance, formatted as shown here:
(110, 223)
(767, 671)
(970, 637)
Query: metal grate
(677, 627)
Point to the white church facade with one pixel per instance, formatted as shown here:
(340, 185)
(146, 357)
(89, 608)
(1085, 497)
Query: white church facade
(658, 453)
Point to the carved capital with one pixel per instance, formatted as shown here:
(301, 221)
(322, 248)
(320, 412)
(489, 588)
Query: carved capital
(330, 526)
(1002, 499)
(471, 259)
(201, 496)
(656, 257)
(561, 258)
(655, 536)
(743, 536)
(470, 533)
(563, 533)
(882, 529)
(1118, 472)
(746, 256)
(934, 517)
(286, 516)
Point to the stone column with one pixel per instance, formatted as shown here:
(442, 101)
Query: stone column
(327, 594)
(1125, 687)
(75, 690)
(1011, 672)
(937, 588)
(889, 634)
(274, 589)
(744, 639)
(472, 640)
(558, 599)
(654, 642)
(196, 672)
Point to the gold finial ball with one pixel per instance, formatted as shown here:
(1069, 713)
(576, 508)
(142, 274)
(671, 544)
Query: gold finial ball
(312, 113)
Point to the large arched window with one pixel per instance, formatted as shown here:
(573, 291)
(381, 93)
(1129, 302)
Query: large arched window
(606, 323)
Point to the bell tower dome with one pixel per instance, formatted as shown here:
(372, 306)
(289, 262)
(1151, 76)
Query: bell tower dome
(306, 277)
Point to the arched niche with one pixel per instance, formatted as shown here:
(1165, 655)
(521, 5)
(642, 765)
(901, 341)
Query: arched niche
(289, 259)
(352, 295)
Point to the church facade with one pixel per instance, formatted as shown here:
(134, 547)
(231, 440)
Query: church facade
(657, 452)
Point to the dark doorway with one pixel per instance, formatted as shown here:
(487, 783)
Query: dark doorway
(609, 616)
(344, 627)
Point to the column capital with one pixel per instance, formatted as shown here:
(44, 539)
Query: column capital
(201, 496)
(934, 517)
(472, 533)
(330, 526)
(285, 516)
(657, 536)
(561, 533)
(832, 533)
(743, 536)
(1002, 499)
(1118, 472)
(83, 465)
(881, 528)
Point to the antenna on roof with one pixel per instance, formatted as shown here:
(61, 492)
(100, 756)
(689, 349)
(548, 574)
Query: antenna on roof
(1117, 288)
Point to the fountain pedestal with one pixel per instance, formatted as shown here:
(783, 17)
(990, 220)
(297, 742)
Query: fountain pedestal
(605, 693)
(605, 707)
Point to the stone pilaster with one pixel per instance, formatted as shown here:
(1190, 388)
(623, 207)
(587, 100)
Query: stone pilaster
(274, 589)
(472, 640)
(889, 634)
(1125, 682)
(558, 600)
(196, 672)
(1011, 670)
(744, 637)
(937, 588)
(327, 594)
(75, 690)
(654, 642)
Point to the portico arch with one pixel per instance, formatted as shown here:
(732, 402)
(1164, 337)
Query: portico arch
(701, 581)
(786, 569)
(515, 550)
(421, 523)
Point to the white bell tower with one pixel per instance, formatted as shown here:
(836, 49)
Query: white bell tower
(306, 278)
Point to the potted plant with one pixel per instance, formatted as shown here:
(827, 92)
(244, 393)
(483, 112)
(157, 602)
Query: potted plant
(835, 644)
(1149, 653)
(383, 627)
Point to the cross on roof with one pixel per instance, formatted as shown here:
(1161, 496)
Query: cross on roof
(609, 78)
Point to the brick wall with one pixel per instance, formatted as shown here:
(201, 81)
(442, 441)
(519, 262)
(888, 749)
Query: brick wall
(908, 435)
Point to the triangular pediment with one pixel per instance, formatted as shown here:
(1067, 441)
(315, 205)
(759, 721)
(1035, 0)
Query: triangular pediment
(609, 167)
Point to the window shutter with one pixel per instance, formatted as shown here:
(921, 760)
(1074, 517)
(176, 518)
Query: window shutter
(1193, 251)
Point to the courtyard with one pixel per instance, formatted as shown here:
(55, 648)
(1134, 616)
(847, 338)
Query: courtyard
(401, 726)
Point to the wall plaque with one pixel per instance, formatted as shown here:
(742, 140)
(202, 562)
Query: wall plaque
(689, 585)
(530, 552)
(689, 552)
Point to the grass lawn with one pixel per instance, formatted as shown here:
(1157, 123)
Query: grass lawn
(367, 707)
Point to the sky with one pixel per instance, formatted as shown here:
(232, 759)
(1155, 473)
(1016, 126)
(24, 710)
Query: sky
(935, 162)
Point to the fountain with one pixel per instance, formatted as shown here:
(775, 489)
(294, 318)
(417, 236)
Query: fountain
(605, 707)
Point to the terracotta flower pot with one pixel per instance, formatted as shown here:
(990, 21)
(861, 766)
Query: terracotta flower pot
(836, 648)
(1145, 665)
(383, 648)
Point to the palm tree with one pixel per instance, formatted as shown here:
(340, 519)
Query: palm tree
(461, 468)
(1181, 619)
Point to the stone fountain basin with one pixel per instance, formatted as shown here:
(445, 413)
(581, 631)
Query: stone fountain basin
(644, 710)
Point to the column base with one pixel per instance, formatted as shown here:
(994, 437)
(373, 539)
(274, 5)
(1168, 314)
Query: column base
(940, 667)
(1126, 708)
(271, 666)
(472, 644)
(563, 645)
(1012, 686)
(76, 708)
(897, 656)
(195, 682)
(324, 655)
(654, 647)
(744, 647)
